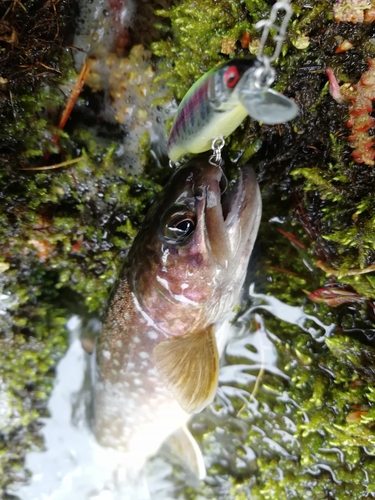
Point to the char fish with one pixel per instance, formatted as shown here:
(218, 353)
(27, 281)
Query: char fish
(219, 101)
(157, 360)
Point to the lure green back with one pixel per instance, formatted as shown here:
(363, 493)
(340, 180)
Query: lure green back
(211, 108)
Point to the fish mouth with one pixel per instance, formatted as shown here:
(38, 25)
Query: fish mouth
(231, 192)
(239, 196)
(232, 220)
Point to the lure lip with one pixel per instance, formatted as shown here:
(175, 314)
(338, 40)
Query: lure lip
(263, 103)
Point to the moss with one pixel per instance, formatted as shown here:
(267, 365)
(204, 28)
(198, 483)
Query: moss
(197, 42)
(63, 232)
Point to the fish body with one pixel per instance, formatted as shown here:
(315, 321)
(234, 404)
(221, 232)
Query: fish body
(210, 109)
(157, 359)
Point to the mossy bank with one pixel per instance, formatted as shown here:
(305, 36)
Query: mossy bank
(64, 233)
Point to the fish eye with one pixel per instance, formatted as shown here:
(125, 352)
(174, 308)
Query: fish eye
(231, 77)
(178, 224)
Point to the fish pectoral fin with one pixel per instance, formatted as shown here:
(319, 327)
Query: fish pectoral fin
(183, 445)
(189, 367)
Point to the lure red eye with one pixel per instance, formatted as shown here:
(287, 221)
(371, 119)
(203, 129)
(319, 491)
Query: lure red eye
(231, 76)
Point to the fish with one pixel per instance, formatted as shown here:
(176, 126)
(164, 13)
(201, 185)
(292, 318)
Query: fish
(219, 101)
(157, 360)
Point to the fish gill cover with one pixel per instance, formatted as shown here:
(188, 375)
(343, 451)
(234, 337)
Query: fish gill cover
(308, 429)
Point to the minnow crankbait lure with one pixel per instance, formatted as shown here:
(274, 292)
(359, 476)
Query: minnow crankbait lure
(219, 101)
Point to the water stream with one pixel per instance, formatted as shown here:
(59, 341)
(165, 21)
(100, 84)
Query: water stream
(73, 466)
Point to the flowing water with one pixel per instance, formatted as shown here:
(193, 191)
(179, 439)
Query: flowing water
(73, 466)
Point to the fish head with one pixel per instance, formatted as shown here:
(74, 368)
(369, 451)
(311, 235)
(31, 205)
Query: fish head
(189, 260)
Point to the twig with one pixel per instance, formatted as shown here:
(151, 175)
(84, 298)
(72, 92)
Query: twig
(77, 89)
(258, 379)
(350, 272)
(58, 165)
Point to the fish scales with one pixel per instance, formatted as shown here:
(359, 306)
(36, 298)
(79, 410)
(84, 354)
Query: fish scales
(129, 389)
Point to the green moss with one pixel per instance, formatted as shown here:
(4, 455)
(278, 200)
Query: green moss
(196, 42)
(64, 233)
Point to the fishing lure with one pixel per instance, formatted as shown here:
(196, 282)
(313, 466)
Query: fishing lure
(220, 100)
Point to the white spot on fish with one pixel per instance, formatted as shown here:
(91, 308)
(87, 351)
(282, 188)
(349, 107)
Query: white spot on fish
(184, 286)
(136, 340)
(144, 355)
(131, 365)
(184, 300)
(152, 372)
(211, 199)
(179, 298)
(152, 335)
(163, 282)
(165, 256)
(145, 316)
(137, 381)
